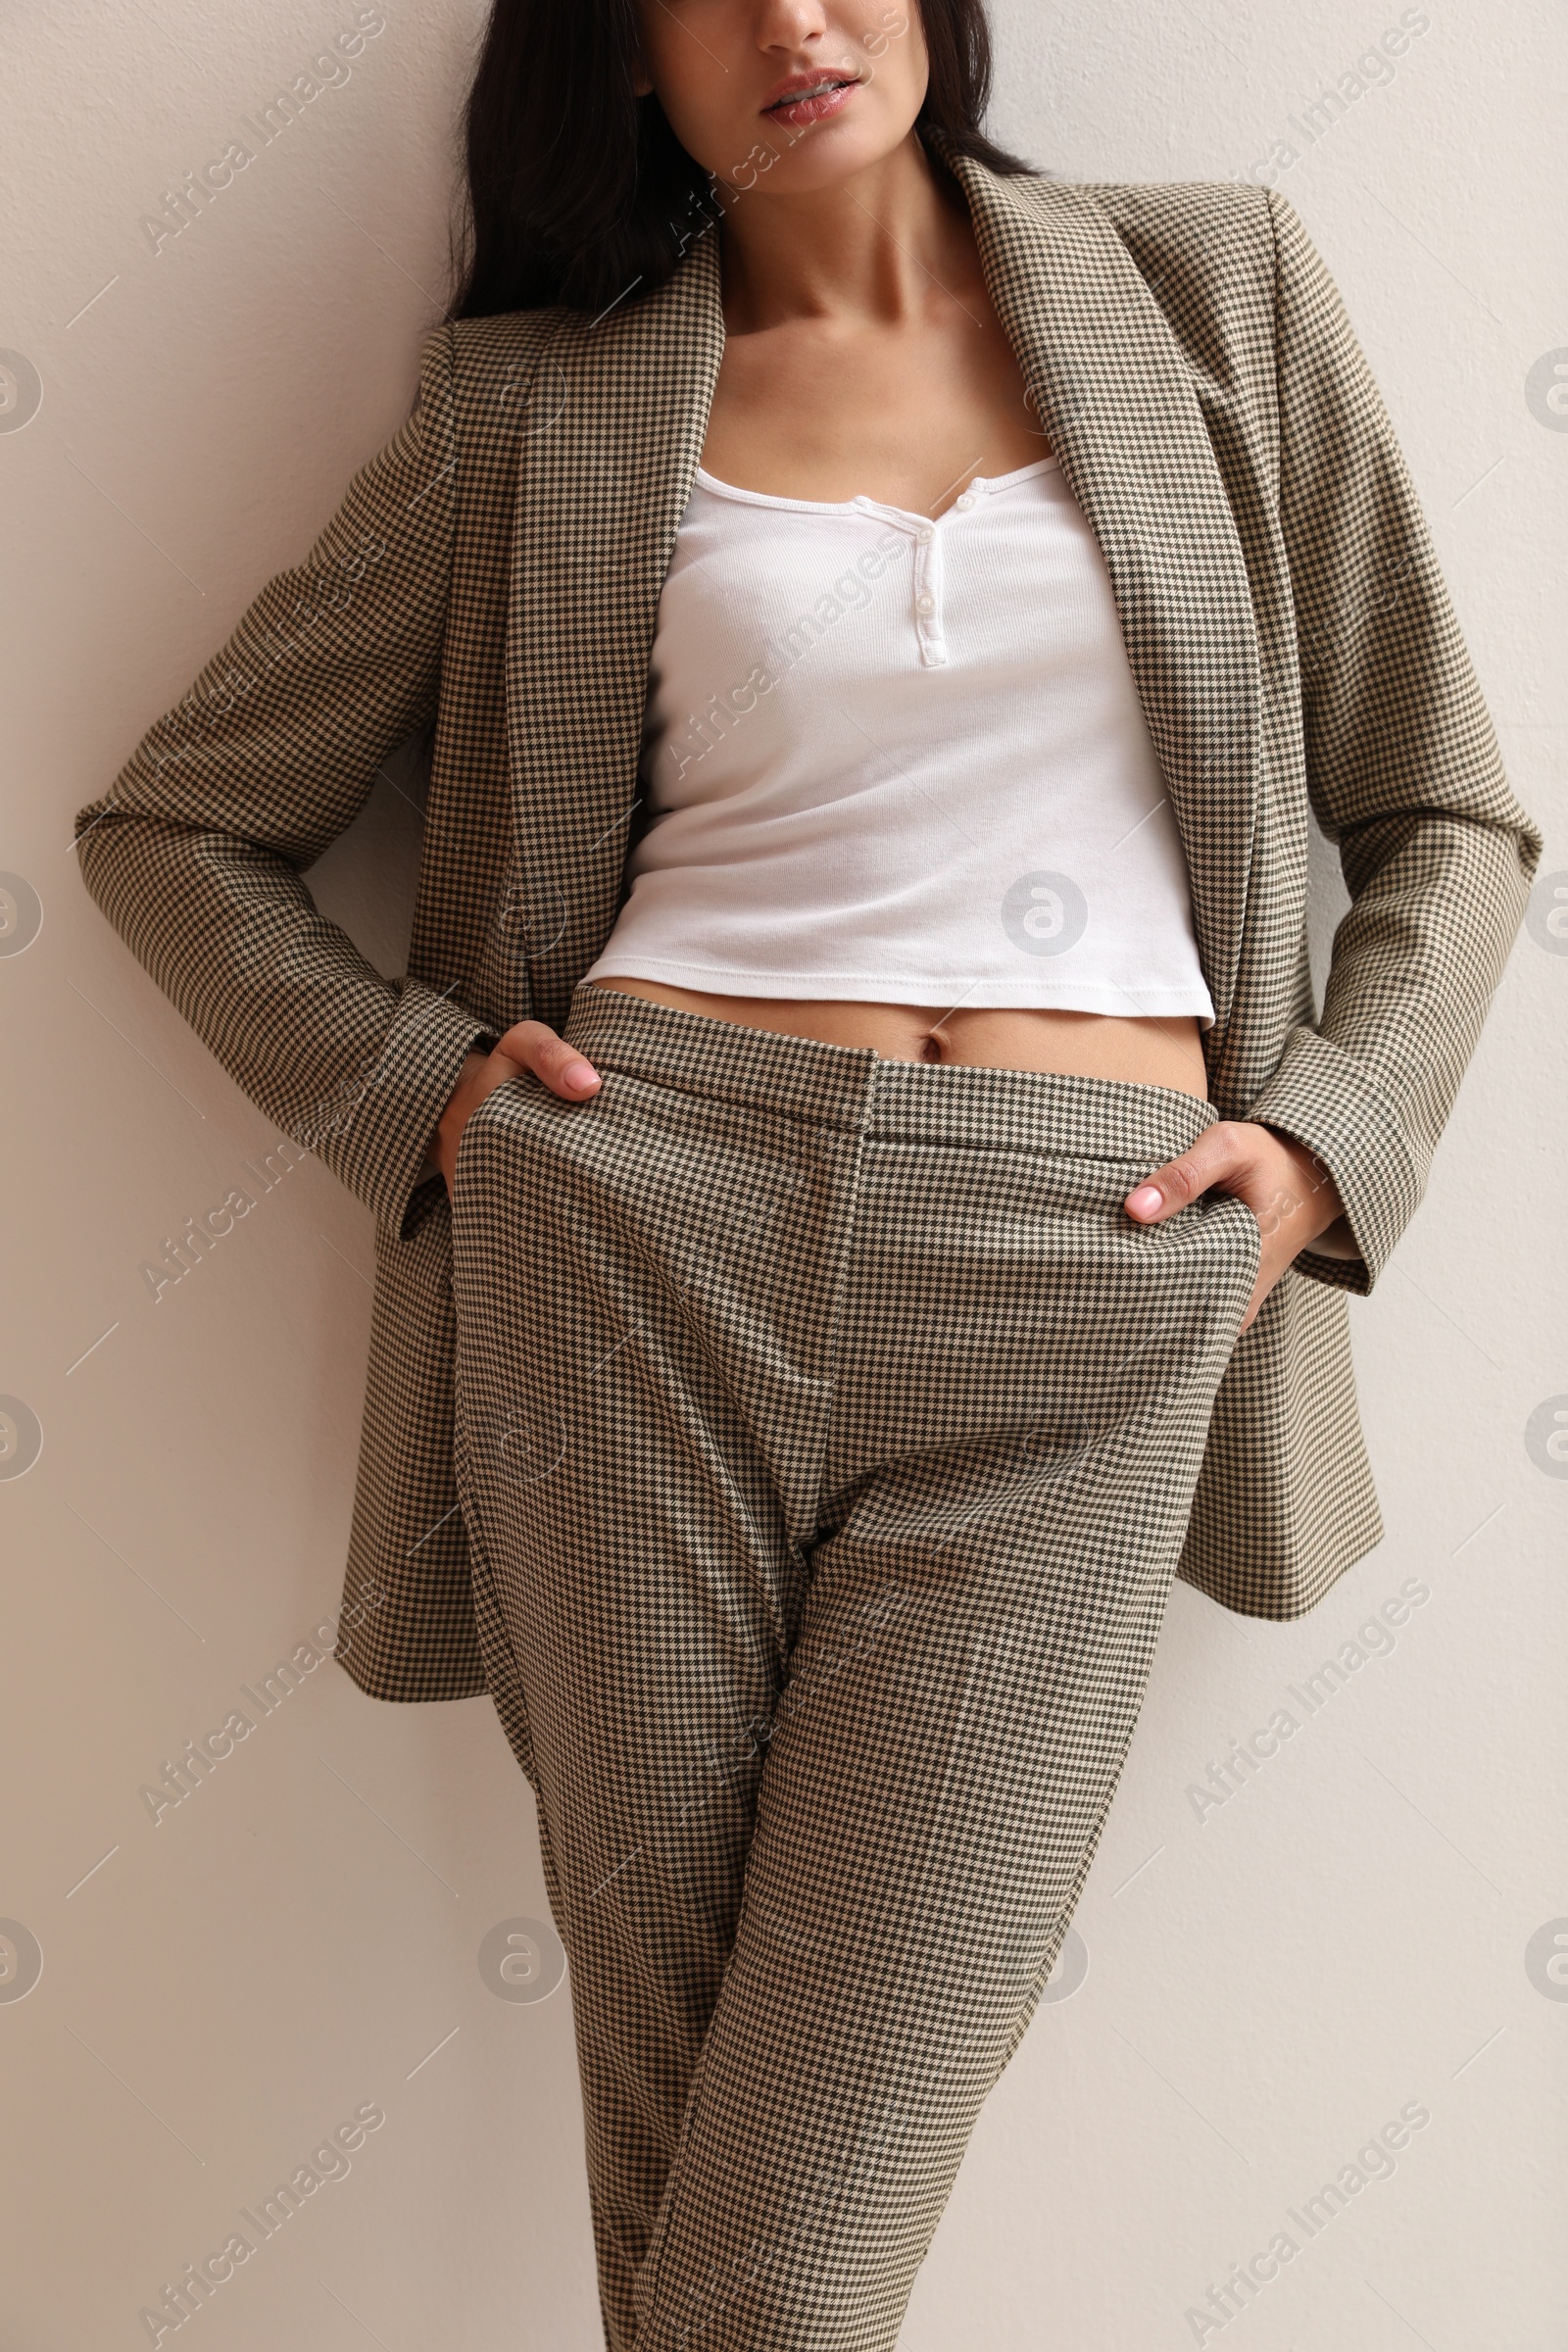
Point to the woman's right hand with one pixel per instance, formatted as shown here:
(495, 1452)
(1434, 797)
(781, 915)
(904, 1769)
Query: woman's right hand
(526, 1046)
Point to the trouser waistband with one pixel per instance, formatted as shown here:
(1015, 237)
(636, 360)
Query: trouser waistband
(858, 1089)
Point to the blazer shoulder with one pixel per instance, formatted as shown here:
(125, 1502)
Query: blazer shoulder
(1183, 205)
(1215, 230)
(505, 336)
(489, 355)
(1205, 249)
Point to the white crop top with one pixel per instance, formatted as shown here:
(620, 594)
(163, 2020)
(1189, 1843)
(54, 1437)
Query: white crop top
(894, 759)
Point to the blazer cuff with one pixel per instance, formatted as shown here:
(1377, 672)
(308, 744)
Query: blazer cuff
(381, 1149)
(1320, 1096)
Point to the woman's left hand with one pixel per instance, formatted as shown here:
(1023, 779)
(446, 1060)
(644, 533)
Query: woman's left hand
(1286, 1188)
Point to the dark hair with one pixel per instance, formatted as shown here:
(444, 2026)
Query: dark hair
(578, 189)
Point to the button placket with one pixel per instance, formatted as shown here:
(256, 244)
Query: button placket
(927, 588)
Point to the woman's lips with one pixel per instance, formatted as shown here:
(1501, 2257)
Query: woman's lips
(798, 113)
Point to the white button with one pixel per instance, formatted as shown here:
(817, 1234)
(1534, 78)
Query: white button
(924, 535)
(964, 502)
(925, 604)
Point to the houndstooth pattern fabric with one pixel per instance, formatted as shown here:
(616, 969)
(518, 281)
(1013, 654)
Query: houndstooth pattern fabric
(826, 1435)
(495, 572)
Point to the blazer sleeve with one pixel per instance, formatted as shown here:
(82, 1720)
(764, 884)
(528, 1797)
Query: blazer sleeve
(195, 852)
(1404, 776)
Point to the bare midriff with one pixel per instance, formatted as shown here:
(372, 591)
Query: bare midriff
(1139, 1049)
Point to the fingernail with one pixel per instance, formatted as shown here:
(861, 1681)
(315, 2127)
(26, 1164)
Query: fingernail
(1146, 1199)
(579, 1074)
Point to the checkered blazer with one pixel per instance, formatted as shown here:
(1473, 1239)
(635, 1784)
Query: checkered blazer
(497, 568)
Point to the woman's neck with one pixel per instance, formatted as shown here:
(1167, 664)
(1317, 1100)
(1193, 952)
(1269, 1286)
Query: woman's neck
(866, 249)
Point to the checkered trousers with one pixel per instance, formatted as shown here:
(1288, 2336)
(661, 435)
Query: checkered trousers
(826, 1435)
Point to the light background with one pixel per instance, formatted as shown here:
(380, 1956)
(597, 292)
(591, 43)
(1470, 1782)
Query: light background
(1267, 1984)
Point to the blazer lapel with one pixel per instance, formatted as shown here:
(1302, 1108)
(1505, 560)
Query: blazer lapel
(1109, 384)
(613, 421)
(615, 418)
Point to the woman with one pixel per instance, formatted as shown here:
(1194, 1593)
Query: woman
(887, 617)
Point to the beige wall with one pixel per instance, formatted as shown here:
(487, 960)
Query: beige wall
(1362, 1930)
